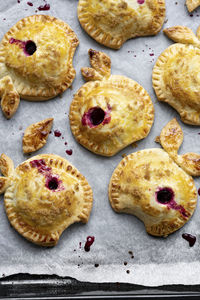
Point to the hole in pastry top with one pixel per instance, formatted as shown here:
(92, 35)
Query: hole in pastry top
(30, 47)
(53, 183)
(165, 195)
(96, 116)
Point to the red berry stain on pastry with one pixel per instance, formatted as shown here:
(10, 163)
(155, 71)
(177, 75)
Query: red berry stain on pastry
(57, 133)
(30, 3)
(190, 238)
(52, 182)
(96, 116)
(88, 243)
(140, 1)
(44, 7)
(29, 47)
(165, 196)
(69, 152)
(199, 191)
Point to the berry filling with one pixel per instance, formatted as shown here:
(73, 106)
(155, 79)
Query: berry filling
(52, 182)
(29, 47)
(140, 1)
(165, 196)
(96, 116)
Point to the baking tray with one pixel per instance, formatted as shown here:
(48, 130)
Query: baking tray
(24, 285)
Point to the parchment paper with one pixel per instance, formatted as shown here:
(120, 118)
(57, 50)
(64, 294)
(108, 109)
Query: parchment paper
(156, 261)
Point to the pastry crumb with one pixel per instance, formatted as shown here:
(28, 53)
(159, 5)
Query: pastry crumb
(157, 139)
(134, 145)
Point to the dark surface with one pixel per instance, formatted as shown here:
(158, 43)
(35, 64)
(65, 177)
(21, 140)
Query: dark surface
(26, 286)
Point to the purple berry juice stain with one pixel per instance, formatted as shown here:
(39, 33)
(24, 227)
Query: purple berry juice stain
(57, 133)
(88, 243)
(190, 238)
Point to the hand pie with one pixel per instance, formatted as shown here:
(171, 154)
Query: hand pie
(111, 23)
(151, 186)
(176, 74)
(109, 112)
(192, 4)
(43, 196)
(35, 61)
(35, 135)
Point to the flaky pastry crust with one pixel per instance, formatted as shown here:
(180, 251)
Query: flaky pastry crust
(176, 74)
(192, 4)
(36, 54)
(126, 108)
(36, 135)
(111, 23)
(135, 186)
(45, 195)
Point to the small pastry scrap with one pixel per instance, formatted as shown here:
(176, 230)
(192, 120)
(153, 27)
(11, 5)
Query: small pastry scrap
(35, 61)
(150, 185)
(176, 74)
(110, 111)
(111, 23)
(192, 4)
(35, 135)
(171, 138)
(43, 196)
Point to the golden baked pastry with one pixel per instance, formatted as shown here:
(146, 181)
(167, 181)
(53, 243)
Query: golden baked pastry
(111, 23)
(35, 135)
(110, 111)
(36, 60)
(192, 4)
(150, 185)
(171, 138)
(176, 74)
(43, 196)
